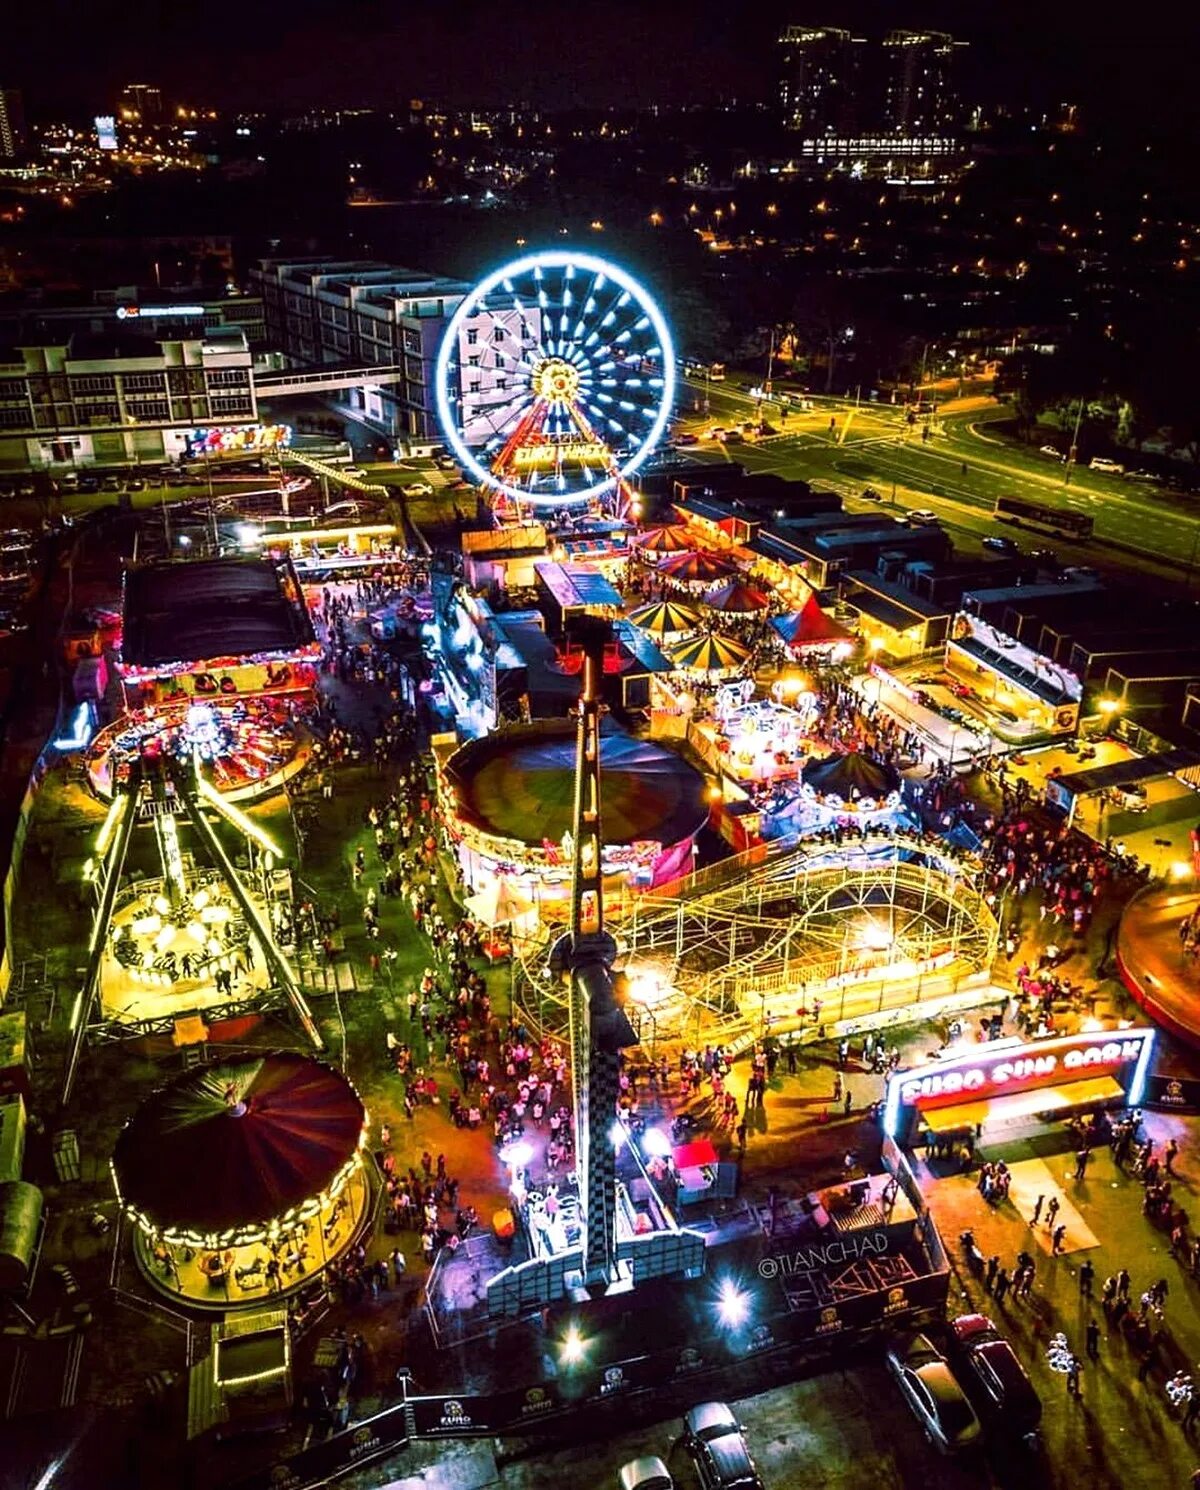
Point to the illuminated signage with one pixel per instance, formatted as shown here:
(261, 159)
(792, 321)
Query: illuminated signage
(543, 457)
(106, 131)
(157, 312)
(242, 439)
(985, 1072)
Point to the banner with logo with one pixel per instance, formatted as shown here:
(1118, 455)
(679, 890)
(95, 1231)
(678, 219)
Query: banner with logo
(362, 1444)
(1173, 1094)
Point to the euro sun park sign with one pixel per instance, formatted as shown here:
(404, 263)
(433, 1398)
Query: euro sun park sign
(987, 1071)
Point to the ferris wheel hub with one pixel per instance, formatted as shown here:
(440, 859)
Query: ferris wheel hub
(556, 380)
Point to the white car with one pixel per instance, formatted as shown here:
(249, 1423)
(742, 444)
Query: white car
(922, 516)
(1051, 450)
(646, 1473)
(934, 1394)
(418, 489)
(1102, 463)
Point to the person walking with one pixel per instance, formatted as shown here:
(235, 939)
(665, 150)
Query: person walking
(1074, 1366)
(993, 1268)
(1170, 1154)
(1123, 1284)
(1087, 1274)
(1001, 1285)
(1057, 1237)
(1092, 1338)
(848, 1101)
(1081, 1163)
(1051, 1212)
(1037, 1210)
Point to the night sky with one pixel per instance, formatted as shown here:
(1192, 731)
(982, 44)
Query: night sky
(289, 53)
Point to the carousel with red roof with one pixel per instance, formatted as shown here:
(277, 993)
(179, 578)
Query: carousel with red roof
(244, 1179)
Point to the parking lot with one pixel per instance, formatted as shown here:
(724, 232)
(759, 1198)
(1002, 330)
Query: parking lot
(845, 1428)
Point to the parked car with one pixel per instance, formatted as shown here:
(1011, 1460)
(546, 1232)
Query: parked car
(922, 516)
(135, 483)
(1141, 476)
(1102, 463)
(1081, 571)
(647, 1473)
(716, 432)
(717, 1445)
(110, 483)
(1047, 559)
(418, 489)
(999, 544)
(998, 1381)
(26, 488)
(1051, 450)
(686, 437)
(932, 1392)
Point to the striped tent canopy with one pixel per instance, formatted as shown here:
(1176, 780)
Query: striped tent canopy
(712, 656)
(809, 627)
(736, 596)
(666, 618)
(694, 569)
(666, 540)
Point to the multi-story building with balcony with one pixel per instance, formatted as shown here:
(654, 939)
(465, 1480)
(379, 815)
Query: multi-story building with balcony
(120, 397)
(324, 312)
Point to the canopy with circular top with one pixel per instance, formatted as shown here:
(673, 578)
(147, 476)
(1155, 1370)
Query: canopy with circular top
(671, 539)
(666, 618)
(737, 596)
(713, 656)
(698, 570)
(226, 1150)
(850, 775)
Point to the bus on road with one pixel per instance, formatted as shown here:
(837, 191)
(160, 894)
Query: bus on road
(1056, 520)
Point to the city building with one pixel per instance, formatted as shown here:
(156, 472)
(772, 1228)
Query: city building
(329, 312)
(12, 124)
(141, 103)
(919, 97)
(167, 314)
(119, 397)
(819, 87)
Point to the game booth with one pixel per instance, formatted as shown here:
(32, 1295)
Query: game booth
(1008, 1089)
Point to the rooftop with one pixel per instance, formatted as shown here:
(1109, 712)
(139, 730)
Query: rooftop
(210, 609)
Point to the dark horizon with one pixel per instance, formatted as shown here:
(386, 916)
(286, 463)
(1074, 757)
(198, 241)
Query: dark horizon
(596, 53)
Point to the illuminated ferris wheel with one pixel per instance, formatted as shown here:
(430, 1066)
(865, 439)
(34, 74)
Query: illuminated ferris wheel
(555, 380)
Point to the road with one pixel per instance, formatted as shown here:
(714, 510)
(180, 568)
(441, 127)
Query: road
(957, 473)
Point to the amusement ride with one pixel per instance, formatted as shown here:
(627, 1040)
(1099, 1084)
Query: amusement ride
(554, 382)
